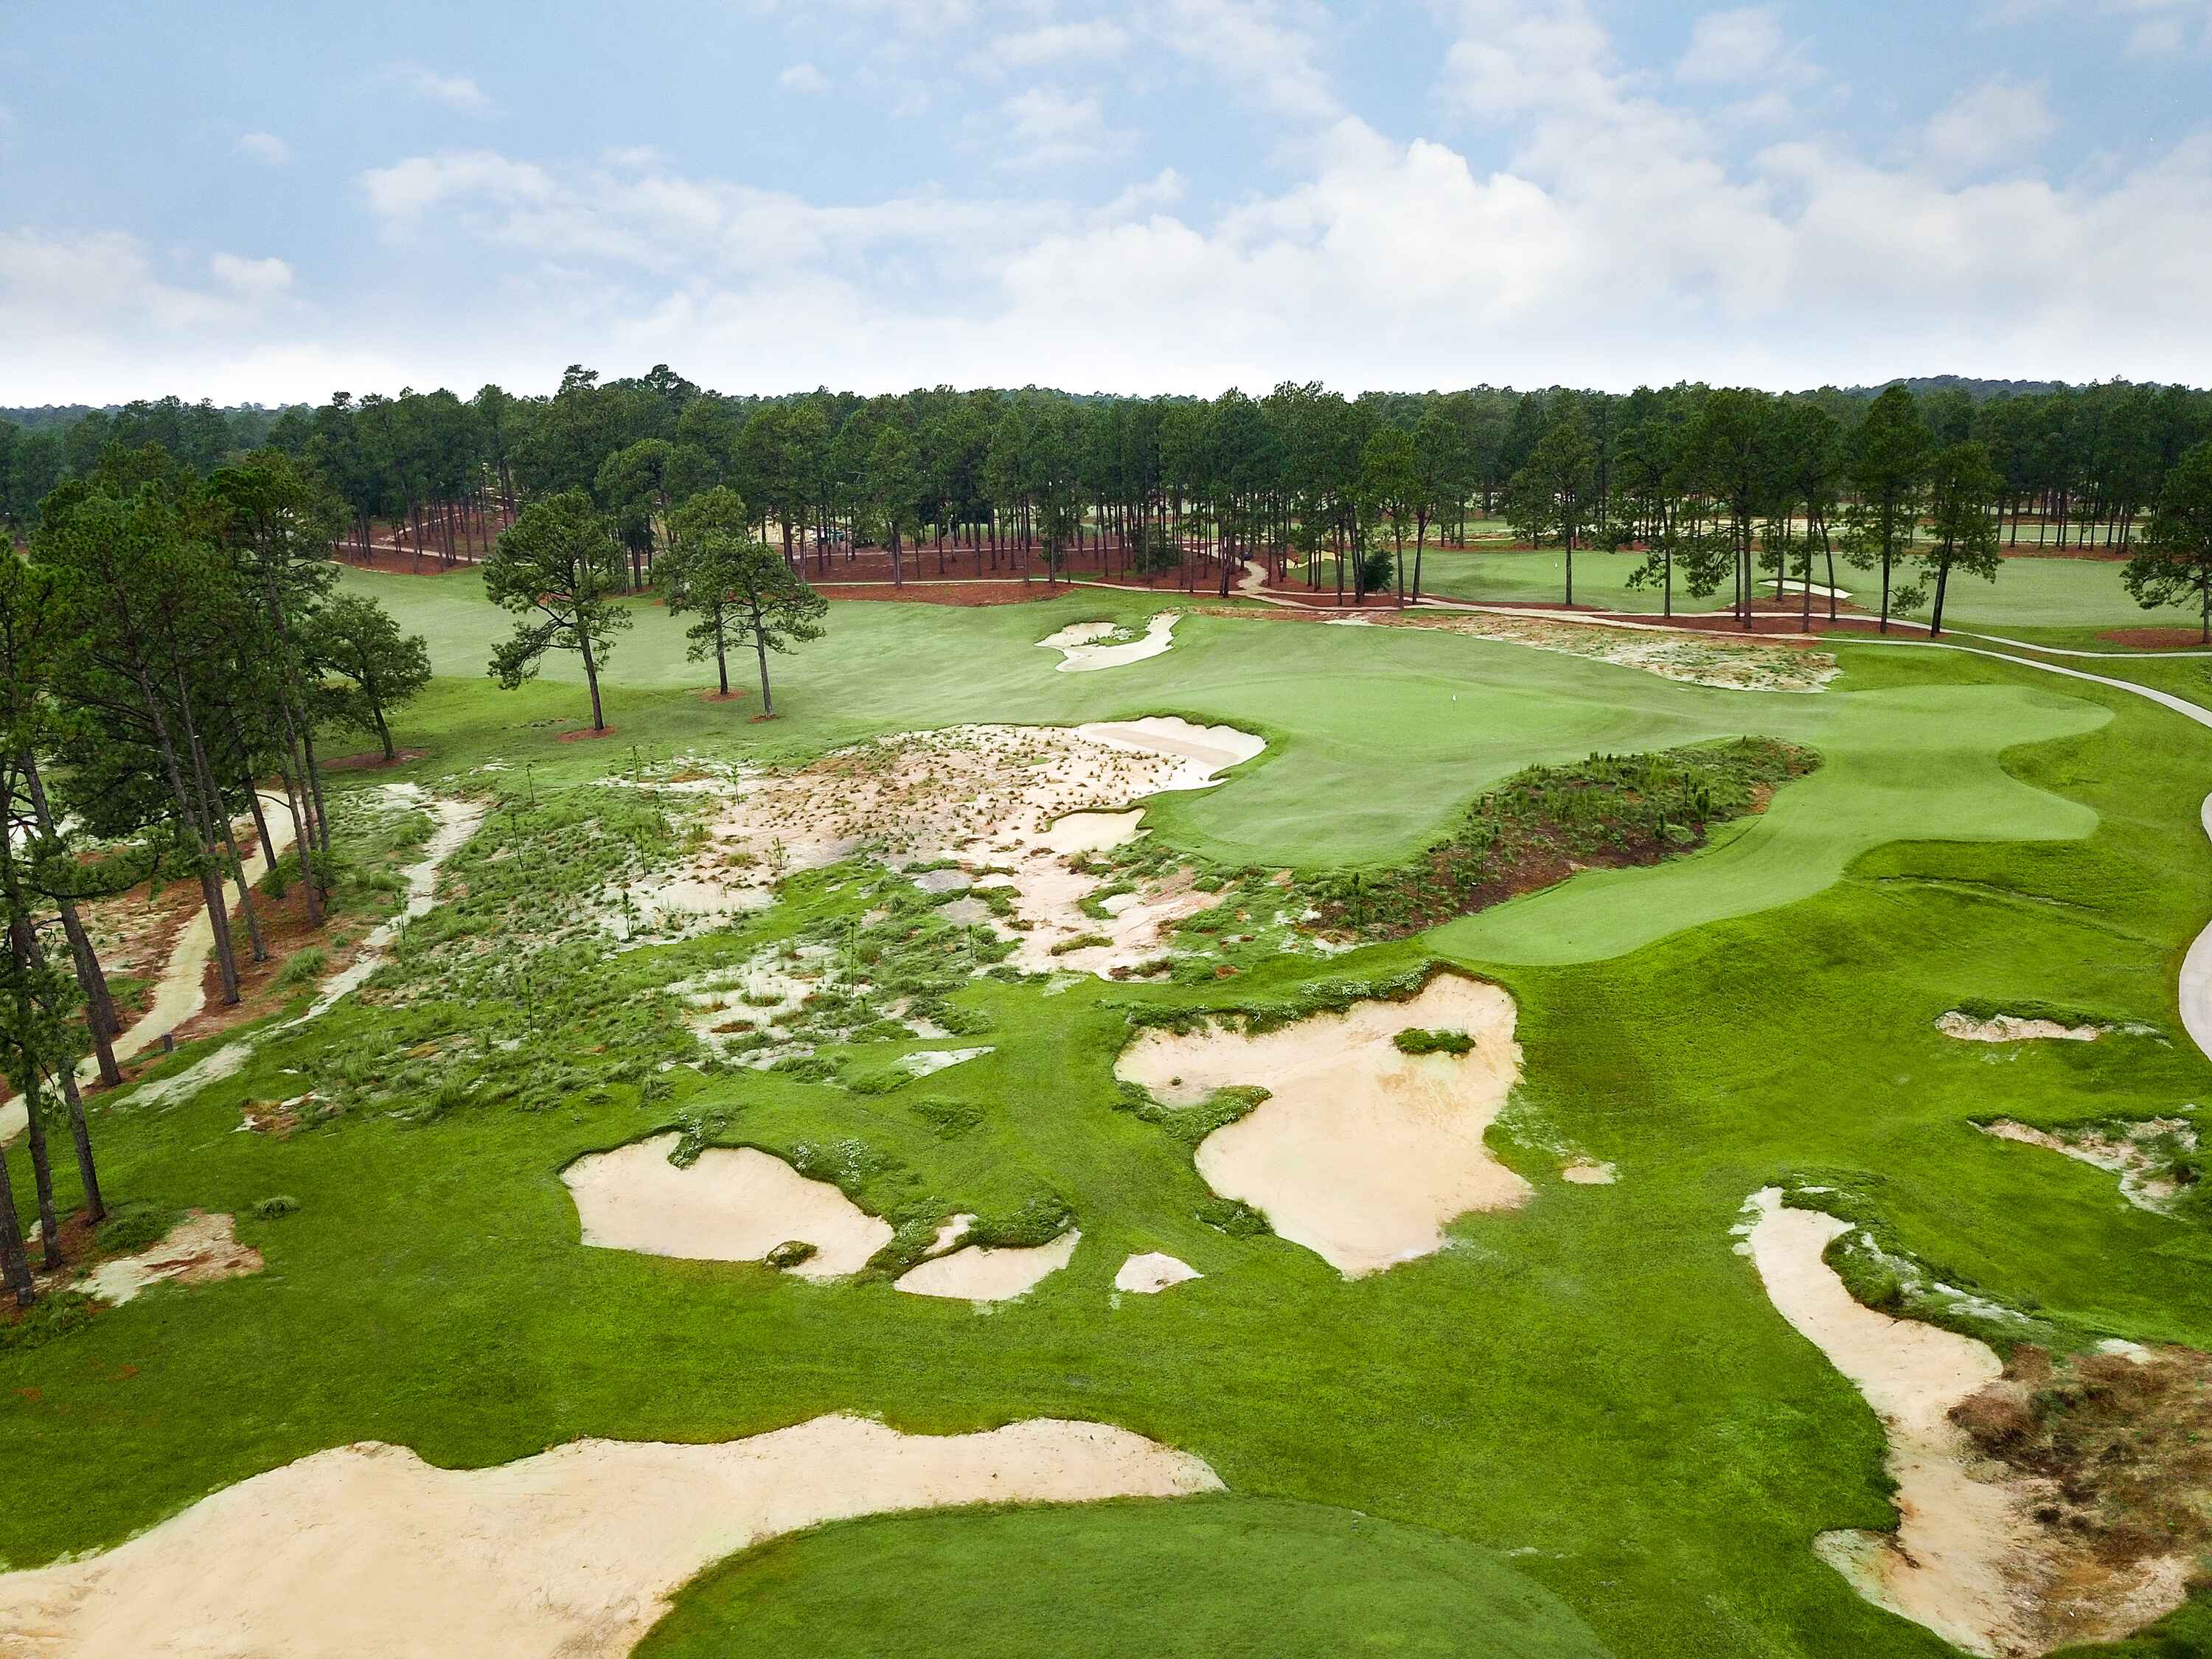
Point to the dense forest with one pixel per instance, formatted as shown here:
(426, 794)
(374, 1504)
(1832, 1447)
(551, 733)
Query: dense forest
(1711, 482)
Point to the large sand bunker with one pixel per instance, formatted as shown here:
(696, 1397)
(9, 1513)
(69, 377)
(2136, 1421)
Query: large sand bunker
(1085, 646)
(1361, 1153)
(198, 1250)
(981, 1273)
(1968, 1560)
(366, 1551)
(734, 1204)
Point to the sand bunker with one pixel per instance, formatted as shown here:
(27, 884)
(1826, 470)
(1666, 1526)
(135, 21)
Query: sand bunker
(1731, 664)
(1361, 1153)
(1084, 647)
(979, 1273)
(735, 1204)
(198, 1250)
(934, 1060)
(1968, 1560)
(1093, 832)
(367, 1552)
(2011, 1028)
(1151, 1273)
(2130, 1152)
(1585, 1173)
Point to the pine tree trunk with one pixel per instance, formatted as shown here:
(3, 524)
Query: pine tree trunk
(14, 1263)
(99, 1003)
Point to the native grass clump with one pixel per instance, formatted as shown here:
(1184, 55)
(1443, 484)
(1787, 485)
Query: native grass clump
(1542, 825)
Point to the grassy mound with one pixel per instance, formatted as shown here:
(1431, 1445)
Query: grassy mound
(1198, 1576)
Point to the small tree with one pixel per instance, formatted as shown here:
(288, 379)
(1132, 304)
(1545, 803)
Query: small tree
(698, 576)
(558, 568)
(356, 638)
(1551, 496)
(1962, 499)
(2173, 560)
(1389, 476)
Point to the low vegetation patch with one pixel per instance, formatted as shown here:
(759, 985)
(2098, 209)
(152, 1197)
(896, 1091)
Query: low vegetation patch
(1542, 825)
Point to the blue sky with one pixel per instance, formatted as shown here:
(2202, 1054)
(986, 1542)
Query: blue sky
(266, 204)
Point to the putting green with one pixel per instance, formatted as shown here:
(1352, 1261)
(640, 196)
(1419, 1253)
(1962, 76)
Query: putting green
(1193, 1579)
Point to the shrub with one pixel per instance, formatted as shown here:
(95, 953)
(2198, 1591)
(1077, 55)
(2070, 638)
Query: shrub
(1415, 1041)
(790, 1254)
(304, 968)
(278, 1204)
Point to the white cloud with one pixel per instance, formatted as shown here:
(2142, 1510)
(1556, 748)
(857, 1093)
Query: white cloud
(1050, 127)
(264, 147)
(803, 77)
(251, 278)
(458, 93)
(1092, 41)
(1999, 121)
(1742, 47)
(1256, 47)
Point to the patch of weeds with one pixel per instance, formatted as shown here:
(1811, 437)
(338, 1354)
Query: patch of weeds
(790, 1253)
(1039, 1221)
(1080, 942)
(948, 1120)
(276, 1206)
(53, 1315)
(1415, 1041)
(304, 968)
(880, 1081)
(1234, 1217)
(1190, 1124)
(132, 1227)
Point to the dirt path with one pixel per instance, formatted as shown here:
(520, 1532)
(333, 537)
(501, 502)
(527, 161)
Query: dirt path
(367, 1552)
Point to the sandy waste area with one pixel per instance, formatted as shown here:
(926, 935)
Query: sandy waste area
(1361, 1153)
(1967, 1559)
(366, 1551)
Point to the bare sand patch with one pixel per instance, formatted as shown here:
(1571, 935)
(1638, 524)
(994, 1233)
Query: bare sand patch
(1153, 1272)
(1086, 647)
(979, 1272)
(1093, 832)
(950, 1231)
(1583, 1172)
(930, 1062)
(457, 820)
(366, 1551)
(1968, 1560)
(1361, 1153)
(734, 1204)
(199, 1250)
(2132, 1151)
(2011, 1028)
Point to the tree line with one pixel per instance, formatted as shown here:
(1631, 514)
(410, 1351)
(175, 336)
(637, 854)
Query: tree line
(171, 647)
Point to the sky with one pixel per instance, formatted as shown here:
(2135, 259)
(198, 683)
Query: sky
(258, 204)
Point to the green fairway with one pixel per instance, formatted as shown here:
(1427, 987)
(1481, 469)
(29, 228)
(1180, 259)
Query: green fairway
(1581, 1429)
(1197, 1579)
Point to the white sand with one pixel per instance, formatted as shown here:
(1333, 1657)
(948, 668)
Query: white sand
(2146, 1182)
(1584, 1173)
(1081, 653)
(950, 1231)
(198, 1250)
(1361, 1153)
(735, 1204)
(1732, 665)
(931, 1061)
(2010, 1028)
(976, 1273)
(1151, 1273)
(457, 820)
(366, 1551)
(1093, 832)
(1967, 1559)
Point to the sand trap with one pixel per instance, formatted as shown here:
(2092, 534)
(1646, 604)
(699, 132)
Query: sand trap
(1207, 749)
(366, 1551)
(978, 1274)
(1082, 648)
(1361, 1153)
(2147, 1178)
(932, 1061)
(1731, 664)
(1794, 585)
(735, 1204)
(2010, 1028)
(1967, 1559)
(1152, 1272)
(1585, 1173)
(198, 1250)
(1093, 832)
(949, 1232)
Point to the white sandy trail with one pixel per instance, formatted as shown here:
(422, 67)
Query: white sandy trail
(457, 821)
(366, 1551)
(181, 991)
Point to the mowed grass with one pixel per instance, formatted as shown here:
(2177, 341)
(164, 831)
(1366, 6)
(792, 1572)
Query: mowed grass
(1591, 1392)
(1194, 1579)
